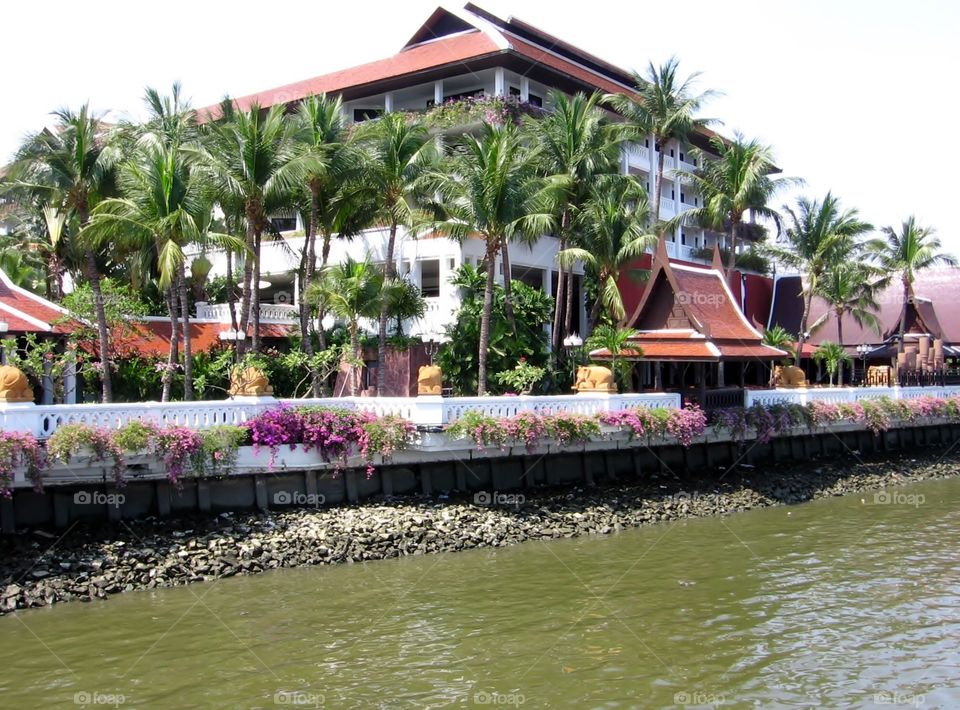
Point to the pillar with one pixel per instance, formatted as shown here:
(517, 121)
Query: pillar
(388, 102)
(524, 89)
(438, 92)
(720, 380)
(499, 81)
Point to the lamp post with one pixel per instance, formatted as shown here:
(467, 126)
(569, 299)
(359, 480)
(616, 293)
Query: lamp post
(862, 350)
(573, 343)
(233, 336)
(431, 343)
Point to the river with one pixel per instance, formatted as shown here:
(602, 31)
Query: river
(851, 601)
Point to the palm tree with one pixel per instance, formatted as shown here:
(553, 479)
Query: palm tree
(850, 287)
(165, 206)
(613, 224)
(399, 152)
(253, 160)
(571, 147)
(403, 300)
(351, 290)
(832, 355)
(777, 337)
(72, 164)
(615, 340)
(486, 190)
(737, 181)
(905, 252)
(818, 236)
(664, 107)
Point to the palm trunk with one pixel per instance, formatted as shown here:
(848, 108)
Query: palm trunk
(507, 287)
(807, 299)
(557, 337)
(245, 294)
(594, 316)
(306, 329)
(354, 368)
(255, 296)
(732, 259)
(903, 313)
(389, 273)
(167, 379)
(231, 296)
(103, 330)
(187, 348)
(840, 341)
(568, 318)
(658, 188)
(485, 321)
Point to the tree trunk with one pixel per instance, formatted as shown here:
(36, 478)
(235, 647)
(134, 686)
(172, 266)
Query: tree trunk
(231, 295)
(568, 318)
(594, 316)
(354, 368)
(167, 378)
(306, 278)
(485, 321)
(807, 299)
(732, 259)
(840, 341)
(103, 331)
(255, 293)
(556, 336)
(903, 313)
(389, 272)
(187, 348)
(507, 286)
(245, 295)
(658, 188)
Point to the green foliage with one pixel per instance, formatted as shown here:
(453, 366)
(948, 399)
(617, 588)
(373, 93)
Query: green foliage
(750, 260)
(831, 355)
(458, 356)
(134, 436)
(121, 303)
(616, 341)
(218, 453)
(521, 378)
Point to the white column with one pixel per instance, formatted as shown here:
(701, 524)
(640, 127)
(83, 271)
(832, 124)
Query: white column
(388, 102)
(582, 305)
(438, 92)
(499, 81)
(524, 89)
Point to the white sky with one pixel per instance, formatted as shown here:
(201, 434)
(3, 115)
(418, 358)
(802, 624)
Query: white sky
(849, 93)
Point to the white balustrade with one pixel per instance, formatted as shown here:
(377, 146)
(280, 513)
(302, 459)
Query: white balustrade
(843, 395)
(220, 312)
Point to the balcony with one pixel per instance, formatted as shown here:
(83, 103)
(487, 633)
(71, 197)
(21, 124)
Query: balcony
(269, 312)
(638, 155)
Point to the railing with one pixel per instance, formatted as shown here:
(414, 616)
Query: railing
(717, 399)
(220, 312)
(43, 420)
(843, 395)
(638, 154)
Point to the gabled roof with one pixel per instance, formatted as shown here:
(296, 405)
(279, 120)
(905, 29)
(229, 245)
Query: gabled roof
(688, 313)
(451, 40)
(26, 312)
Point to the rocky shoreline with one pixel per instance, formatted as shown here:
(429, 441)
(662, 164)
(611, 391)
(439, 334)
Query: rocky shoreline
(39, 568)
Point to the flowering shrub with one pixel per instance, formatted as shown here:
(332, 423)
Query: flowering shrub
(218, 451)
(684, 424)
(70, 439)
(179, 447)
(687, 423)
(572, 429)
(528, 427)
(20, 450)
(766, 421)
(335, 433)
(484, 430)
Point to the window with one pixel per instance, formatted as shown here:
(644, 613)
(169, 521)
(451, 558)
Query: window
(683, 238)
(535, 100)
(683, 197)
(464, 95)
(646, 143)
(366, 114)
(430, 278)
(681, 157)
(671, 152)
(514, 91)
(284, 224)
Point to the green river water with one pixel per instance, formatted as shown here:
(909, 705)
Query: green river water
(843, 602)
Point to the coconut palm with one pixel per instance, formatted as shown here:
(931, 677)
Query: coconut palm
(165, 205)
(850, 288)
(253, 159)
(777, 337)
(738, 180)
(819, 235)
(72, 164)
(613, 226)
(571, 146)
(906, 251)
(486, 190)
(615, 340)
(832, 356)
(398, 153)
(664, 107)
(350, 290)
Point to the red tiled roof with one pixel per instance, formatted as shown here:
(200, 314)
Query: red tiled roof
(710, 301)
(26, 312)
(446, 50)
(749, 350)
(541, 56)
(152, 338)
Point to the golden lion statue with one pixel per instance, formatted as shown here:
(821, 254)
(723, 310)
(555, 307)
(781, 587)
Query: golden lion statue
(429, 380)
(14, 386)
(595, 378)
(789, 376)
(249, 382)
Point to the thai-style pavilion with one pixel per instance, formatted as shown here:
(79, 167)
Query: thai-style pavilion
(693, 335)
